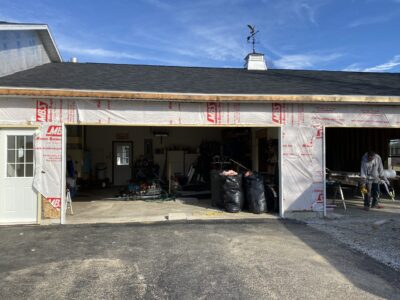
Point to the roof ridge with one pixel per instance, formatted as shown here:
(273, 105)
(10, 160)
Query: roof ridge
(231, 68)
(157, 66)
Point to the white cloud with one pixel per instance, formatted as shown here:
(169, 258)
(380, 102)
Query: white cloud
(218, 43)
(394, 62)
(99, 52)
(353, 68)
(304, 61)
(296, 10)
(374, 20)
(8, 19)
(82, 52)
(387, 66)
(39, 13)
(304, 9)
(158, 4)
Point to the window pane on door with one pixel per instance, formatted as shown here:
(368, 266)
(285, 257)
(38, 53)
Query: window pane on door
(29, 156)
(20, 141)
(10, 170)
(19, 159)
(126, 155)
(20, 155)
(20, 170)
(123, 155)
(11, 156)
(29, 142)
(11, 142)
(29, 170)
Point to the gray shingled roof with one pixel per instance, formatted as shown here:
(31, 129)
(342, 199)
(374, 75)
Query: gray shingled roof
(142, 78)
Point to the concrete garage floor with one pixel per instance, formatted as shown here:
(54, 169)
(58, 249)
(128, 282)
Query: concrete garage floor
(98, 208)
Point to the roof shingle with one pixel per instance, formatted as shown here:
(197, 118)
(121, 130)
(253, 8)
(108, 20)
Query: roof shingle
(146, 78)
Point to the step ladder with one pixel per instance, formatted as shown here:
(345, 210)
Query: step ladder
(69, 202)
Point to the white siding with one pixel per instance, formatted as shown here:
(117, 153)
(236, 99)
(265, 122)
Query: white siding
(20, 50)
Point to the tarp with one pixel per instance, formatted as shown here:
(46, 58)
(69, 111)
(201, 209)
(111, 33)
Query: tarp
(302, 169)
(48, 162)
(302, 131)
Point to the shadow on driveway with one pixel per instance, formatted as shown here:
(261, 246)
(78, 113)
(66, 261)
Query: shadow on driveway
(241, 259)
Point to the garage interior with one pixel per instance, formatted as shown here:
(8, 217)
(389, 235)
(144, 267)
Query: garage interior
(344, 150)
(126, 173)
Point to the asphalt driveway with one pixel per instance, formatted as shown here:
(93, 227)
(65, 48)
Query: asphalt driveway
(190, 260)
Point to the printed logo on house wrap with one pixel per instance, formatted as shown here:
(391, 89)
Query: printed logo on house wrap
(318, 195)
(320, 133)
(213, 112)
(320, 198)
(54, 131)
(42, 111)
(55, 202)
(278, 113)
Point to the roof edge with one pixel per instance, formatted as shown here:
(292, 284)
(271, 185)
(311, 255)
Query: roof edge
(196, 97)
(58, 57)
(13, 26)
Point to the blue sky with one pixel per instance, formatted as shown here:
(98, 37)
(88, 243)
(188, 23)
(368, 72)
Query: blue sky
(353, 35)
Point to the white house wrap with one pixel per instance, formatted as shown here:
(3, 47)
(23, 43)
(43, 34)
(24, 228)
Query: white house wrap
(302, 132)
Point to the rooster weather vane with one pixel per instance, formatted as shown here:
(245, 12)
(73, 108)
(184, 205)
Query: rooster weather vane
(252, 36)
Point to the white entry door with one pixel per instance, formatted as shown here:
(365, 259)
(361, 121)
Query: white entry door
(18, 199)
(122, 163)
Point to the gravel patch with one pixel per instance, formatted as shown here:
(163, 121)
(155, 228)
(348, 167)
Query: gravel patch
(374, 236)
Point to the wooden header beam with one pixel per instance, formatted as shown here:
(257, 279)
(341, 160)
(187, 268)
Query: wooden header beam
(193, 97)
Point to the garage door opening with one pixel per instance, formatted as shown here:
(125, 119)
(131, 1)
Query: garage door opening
(121, 174)
(344, 150)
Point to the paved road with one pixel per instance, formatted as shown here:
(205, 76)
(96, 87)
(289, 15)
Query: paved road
(203, 260)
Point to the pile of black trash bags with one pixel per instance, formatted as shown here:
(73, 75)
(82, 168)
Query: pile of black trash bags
(234, 192)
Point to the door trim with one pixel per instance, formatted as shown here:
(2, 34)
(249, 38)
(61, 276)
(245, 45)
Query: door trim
(18, 130)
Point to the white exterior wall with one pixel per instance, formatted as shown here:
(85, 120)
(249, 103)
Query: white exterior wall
(20, 50)
(302, 132)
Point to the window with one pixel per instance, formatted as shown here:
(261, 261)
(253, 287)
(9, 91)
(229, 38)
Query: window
(19, 156)
(123, 155)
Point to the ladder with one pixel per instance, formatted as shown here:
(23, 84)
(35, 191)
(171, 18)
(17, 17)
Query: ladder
(69, 202)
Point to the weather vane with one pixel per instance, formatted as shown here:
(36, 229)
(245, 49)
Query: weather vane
(252, 36)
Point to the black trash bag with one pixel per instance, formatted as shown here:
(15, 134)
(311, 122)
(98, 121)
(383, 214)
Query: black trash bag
(216, 189)
(255, 193)
(272, 199)
(232, 193)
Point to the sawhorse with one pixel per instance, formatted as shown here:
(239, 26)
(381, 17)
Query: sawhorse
(337, 189)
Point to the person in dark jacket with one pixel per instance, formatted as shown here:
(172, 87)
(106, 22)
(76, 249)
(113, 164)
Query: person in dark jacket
(371, 175)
